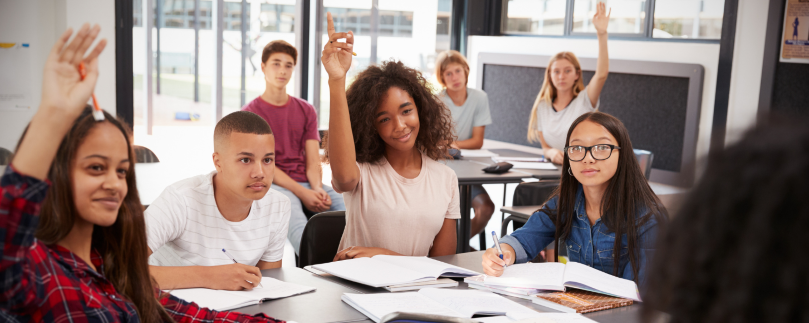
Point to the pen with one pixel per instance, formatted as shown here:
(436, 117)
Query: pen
(98, 114)
(497, 245)
(236, 262)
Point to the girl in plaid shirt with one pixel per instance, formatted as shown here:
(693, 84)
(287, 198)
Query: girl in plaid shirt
(77, 252)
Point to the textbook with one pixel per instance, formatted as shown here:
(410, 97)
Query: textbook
(443, 282)
(446, 302)
(382, 270)
(557, 277)
(224, 300)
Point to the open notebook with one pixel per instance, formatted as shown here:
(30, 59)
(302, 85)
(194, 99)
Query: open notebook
(381, 270)
(224, 300)
(447, 302)
(557, 276)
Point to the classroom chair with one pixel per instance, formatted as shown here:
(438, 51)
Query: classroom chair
(645, 161)
(145, 155)
(321, 238)
(401, 317)
(5, 156)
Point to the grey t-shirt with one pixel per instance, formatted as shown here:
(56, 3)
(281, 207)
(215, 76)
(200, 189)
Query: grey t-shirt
(473, 113)
(555, 125)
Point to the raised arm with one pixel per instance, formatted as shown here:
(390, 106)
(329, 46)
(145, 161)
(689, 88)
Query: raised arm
(336, 60)
(600, 21)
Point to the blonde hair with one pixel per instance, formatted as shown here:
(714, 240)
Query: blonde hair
(548, 91)
(448, 57)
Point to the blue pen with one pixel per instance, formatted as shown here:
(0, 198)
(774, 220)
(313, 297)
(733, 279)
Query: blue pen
(497, 245)
(236, 262)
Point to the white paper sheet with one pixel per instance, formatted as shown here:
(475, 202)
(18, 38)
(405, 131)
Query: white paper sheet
(221, 300)
(546, 276)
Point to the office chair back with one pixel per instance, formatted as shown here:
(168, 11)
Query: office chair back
(5, 156)
(645, 161)
(145, 155)
(321, 238)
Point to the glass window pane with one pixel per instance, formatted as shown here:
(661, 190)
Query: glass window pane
(627, 16)
(541, 17)
(695, 19)
(442, 25)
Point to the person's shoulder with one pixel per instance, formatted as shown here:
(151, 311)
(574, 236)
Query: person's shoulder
(477, 93)
(441, 169)
(301, 103)
(274, 197)
(254, 105)
(191, 184)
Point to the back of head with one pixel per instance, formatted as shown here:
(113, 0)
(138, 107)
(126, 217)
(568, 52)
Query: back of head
(241, 122)
(448, 57)
(736, 251)
(367, 93)
(279, 46)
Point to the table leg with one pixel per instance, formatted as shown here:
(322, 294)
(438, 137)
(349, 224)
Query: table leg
(465, 223)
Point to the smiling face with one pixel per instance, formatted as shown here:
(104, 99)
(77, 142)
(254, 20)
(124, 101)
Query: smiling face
(99, 174)
(563, 74)
(278, 69)
(397, 120)
(454, 77)
(245, 164)
(588, 171)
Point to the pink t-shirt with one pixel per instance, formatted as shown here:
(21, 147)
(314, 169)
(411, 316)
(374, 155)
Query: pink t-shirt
(292, 124)
(387, 210)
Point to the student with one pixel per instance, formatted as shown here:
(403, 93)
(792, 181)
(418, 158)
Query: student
(563, 97)
(602, 194)
(470, 115)
(386, 134)
(736, 251)
(231, 208)
(76, 251)
(297, 140)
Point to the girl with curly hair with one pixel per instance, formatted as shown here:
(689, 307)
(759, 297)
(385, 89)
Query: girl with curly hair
(386, 135)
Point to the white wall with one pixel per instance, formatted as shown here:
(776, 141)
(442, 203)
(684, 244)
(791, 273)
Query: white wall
(40, 22)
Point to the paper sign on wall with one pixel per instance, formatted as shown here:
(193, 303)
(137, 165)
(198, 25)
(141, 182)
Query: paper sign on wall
(15, 76)
(795, 43)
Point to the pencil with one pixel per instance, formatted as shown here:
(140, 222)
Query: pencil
(98, 114)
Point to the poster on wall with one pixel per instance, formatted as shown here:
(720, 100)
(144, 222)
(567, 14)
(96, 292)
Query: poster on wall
(795, 44)
(15, 75)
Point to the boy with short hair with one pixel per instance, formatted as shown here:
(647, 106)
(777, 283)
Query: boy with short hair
(232, 208)
(297, 140)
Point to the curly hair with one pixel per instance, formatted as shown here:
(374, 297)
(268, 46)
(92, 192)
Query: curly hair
(736, 251)
(368, 91)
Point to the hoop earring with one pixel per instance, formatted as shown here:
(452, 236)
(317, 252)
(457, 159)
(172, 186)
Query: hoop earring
(568, 171)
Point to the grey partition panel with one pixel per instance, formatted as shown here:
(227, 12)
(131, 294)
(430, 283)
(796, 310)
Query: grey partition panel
(658, 102)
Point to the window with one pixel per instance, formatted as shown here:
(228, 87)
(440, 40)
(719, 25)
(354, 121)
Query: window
(627, 16)
(696, 19)
(391, 23)
(543, 17)
(233, 16)
(442, 25)
(277, 18)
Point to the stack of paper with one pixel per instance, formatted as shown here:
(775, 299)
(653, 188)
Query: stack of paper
(382, 271)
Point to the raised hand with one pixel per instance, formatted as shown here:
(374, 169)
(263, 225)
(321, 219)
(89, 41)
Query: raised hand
(602, 18)
(336, 56)
(63, 91)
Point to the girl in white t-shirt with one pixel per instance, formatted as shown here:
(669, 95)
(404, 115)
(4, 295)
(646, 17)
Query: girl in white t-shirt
(563, 96)
(386, 133)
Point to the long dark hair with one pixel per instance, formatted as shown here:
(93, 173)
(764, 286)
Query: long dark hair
(368, 91)
(627, 194)
(736, 251)
(123, 244)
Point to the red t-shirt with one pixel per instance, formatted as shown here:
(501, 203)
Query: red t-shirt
(292, 124)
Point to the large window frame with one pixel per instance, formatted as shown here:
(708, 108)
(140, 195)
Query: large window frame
(646, 35)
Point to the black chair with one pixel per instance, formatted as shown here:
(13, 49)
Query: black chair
(145, 155)
(5, 156)
(321, 238)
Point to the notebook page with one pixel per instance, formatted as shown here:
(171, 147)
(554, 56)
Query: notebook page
(471, 302)
(546, 276)
(219, 300)
(583, 276)
(427, 266)
(371, 272)
(376, 306)
(273, 289)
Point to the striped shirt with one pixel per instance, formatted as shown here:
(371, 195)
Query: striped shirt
(184, 227)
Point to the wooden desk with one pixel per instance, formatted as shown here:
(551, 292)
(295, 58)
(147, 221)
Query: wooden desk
(472, 261)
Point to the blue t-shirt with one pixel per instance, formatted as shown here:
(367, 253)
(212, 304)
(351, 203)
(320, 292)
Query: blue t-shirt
(589, 245)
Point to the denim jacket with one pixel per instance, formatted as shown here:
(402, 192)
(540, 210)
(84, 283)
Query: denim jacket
(589, 245)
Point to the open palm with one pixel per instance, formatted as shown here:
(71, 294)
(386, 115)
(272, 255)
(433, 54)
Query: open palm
(336, 56)
(602, 18)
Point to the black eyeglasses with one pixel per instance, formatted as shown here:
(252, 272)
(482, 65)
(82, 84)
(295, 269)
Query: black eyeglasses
(598, 152)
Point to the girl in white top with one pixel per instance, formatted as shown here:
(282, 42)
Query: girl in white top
(385, 134)
(563, 96)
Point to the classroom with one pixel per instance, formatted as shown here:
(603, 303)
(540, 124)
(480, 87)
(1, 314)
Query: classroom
(447, 161)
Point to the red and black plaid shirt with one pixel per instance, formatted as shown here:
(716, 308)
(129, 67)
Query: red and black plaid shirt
(51, 284)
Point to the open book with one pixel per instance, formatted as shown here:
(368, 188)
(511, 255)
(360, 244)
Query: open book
(381, 270)
(447, 302)
(224, 300)
(557, 276)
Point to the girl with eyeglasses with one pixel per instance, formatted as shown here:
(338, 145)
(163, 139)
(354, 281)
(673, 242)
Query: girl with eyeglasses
(602, 195)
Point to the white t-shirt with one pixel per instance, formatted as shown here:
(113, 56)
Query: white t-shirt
(387, 210)
(184, 227)
(474, 112)
(555, 125)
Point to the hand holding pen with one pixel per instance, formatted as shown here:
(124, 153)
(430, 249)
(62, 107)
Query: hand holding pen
(236, 262)
(495, 260)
